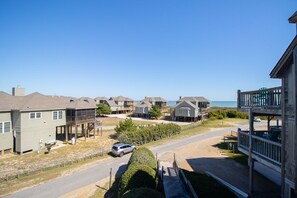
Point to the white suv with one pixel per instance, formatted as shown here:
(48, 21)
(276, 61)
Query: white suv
(119, 149)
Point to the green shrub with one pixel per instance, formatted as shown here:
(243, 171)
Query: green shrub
(142, 193)
(143, 156)
(150, 133)
(126, 125)
(227, 113)
(136, 176)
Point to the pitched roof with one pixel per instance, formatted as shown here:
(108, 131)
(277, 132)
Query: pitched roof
(285, 60)
(194, 99)
(183, 102)
(154, 99)
(111, 103)
(144, 104)
(100, 98)
(37, 101)
(121, 99)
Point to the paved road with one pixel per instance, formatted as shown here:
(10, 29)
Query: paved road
(100, 170)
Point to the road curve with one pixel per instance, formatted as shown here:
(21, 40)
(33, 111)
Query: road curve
(100, 170)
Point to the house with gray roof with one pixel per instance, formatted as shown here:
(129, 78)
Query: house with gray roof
(200, 101)
(190, 108)
(159, 101)
(125, 105)
(109, 102)
(142, 109)
(28, 122)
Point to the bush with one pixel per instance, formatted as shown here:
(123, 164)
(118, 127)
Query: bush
(143, 156)
(150, 133)
(227, 113)
(125, 126)
(142, 193)
(136, 176)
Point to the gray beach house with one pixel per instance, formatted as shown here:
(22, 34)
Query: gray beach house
(272, 152)
(190, 109)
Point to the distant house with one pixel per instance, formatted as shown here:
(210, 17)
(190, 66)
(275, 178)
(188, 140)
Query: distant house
(142, 109)
(109, 102)
(190, 108)
(200, 102)
(161, 102)
(28, 122)
(125, 105)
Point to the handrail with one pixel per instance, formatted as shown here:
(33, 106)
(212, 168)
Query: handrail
(184, 180)
(262, 147)
(260, 98)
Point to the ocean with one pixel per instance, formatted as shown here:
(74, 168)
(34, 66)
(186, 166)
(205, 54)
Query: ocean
(213, 103)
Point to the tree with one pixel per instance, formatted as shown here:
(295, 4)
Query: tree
(103, 109)
(125, 126)
(155, 112)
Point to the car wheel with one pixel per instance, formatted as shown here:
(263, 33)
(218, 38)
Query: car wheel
(121, 154)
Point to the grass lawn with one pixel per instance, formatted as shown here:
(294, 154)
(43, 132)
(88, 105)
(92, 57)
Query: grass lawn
(110, 121)
(206, 186)
(238, 157)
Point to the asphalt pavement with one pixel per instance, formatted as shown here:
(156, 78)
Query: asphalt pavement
(100, 170)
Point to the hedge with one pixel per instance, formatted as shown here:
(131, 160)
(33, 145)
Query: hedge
(136, 176)
(143, 156)
(150, 133)
(227, 113)
(142, 193)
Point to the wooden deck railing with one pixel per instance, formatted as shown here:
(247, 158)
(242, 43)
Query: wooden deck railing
(261, 98)
(262, 147)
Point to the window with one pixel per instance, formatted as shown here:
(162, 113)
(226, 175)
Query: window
(32, 115)
(35, 115)
(5, 127)
(60, 115)
(38, 115)
(57, 115)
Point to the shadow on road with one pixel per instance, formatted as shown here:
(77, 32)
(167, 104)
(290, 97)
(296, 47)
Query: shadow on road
(236, 175)
(112, 192)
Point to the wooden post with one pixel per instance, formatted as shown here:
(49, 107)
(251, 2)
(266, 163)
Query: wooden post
(88, 130)
(75, 133)
(94, 130)
(251, 161)
(66, 133)
(110, 177)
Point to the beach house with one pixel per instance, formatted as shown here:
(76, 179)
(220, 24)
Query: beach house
(272, 152)
(109, 102)
(159, 101)
(142, 109)
(125, 105)
(28, 122)
(190, 109)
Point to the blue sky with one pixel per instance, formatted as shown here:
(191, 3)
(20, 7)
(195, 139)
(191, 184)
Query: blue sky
(167, 48)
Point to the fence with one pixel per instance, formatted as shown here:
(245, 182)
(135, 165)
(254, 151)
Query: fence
(264, 148)
(63, 163)
(184, 180)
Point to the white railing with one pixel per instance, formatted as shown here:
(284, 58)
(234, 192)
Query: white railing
(262, 147)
